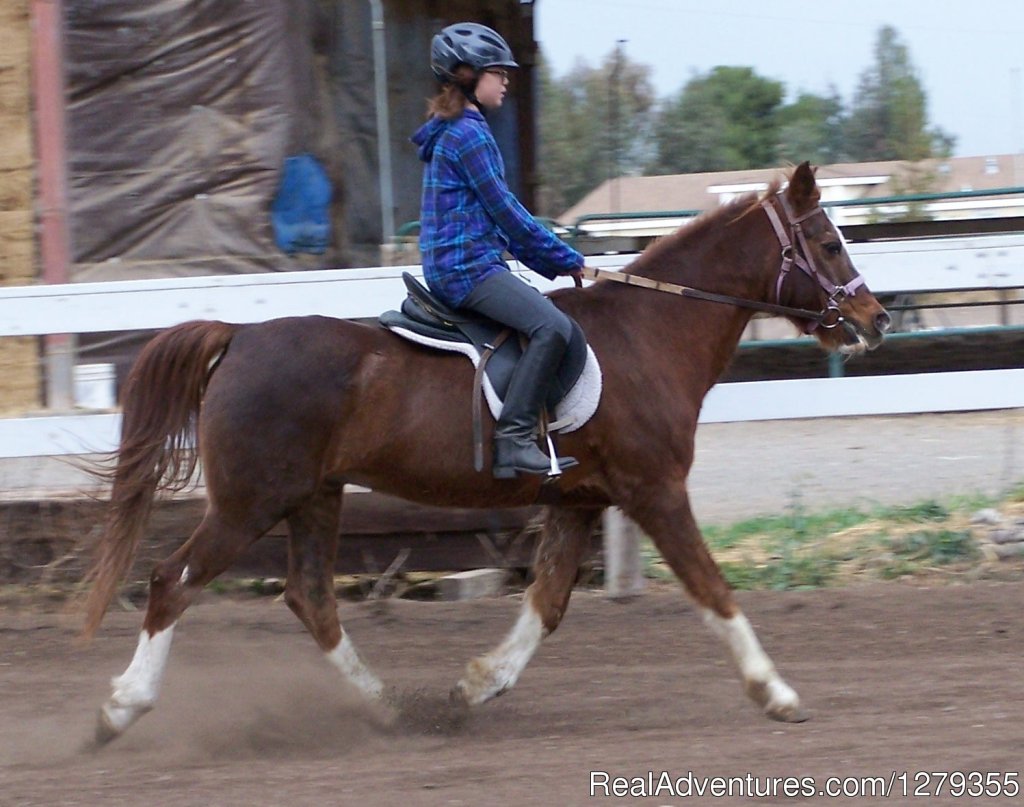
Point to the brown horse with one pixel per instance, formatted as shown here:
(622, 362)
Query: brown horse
(285, 413)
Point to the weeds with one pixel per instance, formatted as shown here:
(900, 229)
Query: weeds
(936, 546)
(798, 550)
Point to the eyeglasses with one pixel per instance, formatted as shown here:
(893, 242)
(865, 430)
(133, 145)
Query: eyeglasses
(497, 71)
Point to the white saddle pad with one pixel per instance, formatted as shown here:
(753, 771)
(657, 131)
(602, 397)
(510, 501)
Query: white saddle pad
(575, 409)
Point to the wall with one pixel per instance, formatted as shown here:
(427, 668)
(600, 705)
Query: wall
(180, 116)
(409, 26)
(19, 365)
(180, 113)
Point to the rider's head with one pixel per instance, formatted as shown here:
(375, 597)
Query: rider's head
(471, 61)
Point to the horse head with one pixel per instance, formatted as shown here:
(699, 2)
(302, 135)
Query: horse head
(851, 319)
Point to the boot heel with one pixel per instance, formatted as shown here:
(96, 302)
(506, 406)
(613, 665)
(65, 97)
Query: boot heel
(504, 472)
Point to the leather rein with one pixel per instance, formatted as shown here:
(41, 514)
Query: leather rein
(828, 317)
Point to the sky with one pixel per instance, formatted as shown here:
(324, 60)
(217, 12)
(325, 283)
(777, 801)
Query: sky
(968, 54)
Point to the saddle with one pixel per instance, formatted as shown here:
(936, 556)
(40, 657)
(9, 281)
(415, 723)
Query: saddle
(426, 320)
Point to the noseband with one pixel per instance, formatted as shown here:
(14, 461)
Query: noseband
(804, 260)
(828, 317)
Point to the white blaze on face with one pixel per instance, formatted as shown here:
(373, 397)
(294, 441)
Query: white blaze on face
(842, 238)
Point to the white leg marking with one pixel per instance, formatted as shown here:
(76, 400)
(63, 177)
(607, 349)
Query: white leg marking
(493, 673)
(184, 576)
(760, 679)
(136, 690)
(346, 659)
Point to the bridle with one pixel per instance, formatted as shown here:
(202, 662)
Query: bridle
(804, 260)
(828, 317)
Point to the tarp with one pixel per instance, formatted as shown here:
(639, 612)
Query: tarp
(181, 114)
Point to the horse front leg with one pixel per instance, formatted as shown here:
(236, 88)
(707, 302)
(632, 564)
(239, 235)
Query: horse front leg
(564, 543)
(667, 518)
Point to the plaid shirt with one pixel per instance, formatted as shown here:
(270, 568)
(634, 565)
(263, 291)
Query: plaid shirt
(469, 216)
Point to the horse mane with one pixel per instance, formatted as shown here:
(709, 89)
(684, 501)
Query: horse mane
(700, 227)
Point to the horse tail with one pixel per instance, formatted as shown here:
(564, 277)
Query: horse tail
(160, 404)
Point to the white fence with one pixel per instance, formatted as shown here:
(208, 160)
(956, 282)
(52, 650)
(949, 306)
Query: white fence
(948, 264)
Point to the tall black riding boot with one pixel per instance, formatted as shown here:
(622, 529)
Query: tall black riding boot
(515, 445)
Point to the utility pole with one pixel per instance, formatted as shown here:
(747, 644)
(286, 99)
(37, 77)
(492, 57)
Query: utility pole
(614, 134)
(51, 147)
(380, 87)
(1015, 99)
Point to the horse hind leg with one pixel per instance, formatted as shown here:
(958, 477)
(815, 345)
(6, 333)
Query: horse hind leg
(309, 591)
(564, 544)
(174, 583)
(669, 521)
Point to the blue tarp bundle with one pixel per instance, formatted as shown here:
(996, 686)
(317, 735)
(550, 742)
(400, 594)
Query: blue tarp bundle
(299, 213)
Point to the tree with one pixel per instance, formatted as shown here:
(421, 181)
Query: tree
(888, 118)
(723, 120)
(578, 148)
(812, 128)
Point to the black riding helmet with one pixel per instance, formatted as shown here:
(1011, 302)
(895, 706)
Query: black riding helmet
(468, 43)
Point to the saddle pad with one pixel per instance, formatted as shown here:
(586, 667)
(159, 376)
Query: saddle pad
(575, 409)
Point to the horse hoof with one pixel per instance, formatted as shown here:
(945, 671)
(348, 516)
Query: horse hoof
(105, 734)
(458, 698)
(792, 713)
(779, 701)
(387, 711)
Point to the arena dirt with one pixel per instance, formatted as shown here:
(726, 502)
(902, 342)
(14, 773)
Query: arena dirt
(897, 679)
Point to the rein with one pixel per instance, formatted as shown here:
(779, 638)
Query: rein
(697, 294)
(828, 317)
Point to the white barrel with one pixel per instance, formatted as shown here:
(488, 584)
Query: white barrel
(95, 386)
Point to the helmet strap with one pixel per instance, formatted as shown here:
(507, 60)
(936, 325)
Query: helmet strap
(470, 92)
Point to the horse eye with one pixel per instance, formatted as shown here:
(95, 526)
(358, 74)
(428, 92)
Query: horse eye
(833, 248)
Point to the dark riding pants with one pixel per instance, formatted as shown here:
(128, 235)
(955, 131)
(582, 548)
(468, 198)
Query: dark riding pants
(507, 299)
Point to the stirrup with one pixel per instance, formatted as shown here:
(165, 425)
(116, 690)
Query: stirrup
(513, 458)
(556, 468)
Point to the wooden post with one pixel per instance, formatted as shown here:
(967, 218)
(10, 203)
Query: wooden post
(623, 567)
(51, 147)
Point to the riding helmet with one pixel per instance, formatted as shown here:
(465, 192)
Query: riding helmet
(468, 43)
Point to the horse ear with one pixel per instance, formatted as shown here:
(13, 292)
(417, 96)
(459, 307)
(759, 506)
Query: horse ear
(803, 191)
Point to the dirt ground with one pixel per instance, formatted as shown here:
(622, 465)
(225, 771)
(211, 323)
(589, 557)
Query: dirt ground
(897, 679)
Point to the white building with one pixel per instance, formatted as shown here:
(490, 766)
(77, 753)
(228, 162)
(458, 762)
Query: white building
(637, 208)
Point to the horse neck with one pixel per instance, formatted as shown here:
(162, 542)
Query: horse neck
(732, 253)
(734, 258)
(693, 340)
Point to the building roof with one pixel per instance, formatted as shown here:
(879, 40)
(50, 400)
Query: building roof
(869, 180)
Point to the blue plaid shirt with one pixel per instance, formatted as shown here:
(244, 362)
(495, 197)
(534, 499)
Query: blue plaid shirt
(469, 216)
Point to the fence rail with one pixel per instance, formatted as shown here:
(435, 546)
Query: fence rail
(948, 264)
(911, 266)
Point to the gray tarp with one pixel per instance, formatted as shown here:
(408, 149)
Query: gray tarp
(181, 113)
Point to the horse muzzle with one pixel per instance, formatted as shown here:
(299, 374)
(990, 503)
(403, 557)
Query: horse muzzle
(861, 333)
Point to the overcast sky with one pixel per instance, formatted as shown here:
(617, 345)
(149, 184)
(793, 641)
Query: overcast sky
(969, 54)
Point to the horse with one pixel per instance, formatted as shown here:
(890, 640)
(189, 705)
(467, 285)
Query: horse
(283, 414)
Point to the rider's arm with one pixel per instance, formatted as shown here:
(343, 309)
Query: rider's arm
(529, 241)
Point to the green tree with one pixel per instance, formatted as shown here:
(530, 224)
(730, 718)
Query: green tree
(812, 128)
(594, 123)
(888, 119)
(723, 120)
